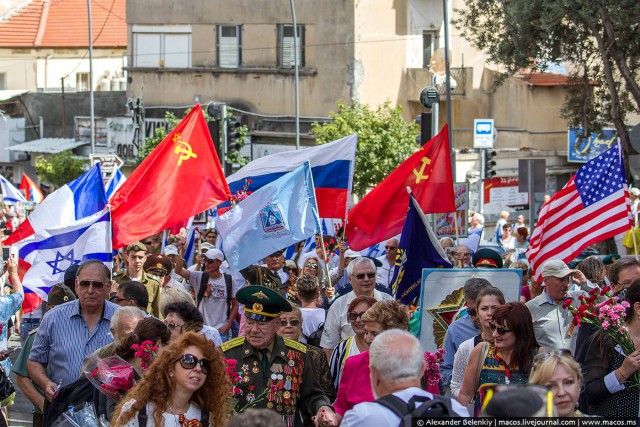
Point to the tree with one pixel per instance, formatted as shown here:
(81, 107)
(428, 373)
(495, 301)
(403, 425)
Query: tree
(384, 139)
(232, 157)
(59, 168)
(599, 38)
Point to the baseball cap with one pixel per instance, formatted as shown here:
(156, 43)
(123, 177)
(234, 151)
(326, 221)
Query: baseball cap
(635, 191)
(206, 247)
(170, 250)
(556, 268)
(214, 254)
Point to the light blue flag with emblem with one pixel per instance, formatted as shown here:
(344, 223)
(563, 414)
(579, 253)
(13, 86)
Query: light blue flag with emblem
(275, 216)
(49, 253)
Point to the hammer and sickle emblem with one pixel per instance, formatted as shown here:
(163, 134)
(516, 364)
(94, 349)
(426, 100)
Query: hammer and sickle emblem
(420, 174)
(185, 151)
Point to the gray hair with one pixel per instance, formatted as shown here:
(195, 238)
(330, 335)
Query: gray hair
(396, 356)
(174, 295)
(358, 261)
(124, 313)
(473, 286)
(479, 217)
(105, 270)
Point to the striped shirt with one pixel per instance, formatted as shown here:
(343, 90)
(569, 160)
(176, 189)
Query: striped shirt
(339, 356)
(63, 340)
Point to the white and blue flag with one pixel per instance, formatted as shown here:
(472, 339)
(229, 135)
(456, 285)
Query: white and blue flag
(116, 179)
(10, 192)
(275, 216)
(49, 253)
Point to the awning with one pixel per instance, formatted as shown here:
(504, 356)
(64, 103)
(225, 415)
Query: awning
(47, 145)
(6, 95)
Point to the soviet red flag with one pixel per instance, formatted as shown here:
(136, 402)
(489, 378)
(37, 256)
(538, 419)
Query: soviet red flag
(179, 179)
(380, 214)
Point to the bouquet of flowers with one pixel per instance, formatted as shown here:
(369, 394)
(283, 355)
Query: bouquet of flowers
(240, 195)
(235, 392)
(146, 352)
(607, 313)
(432, 375)
(113, 376)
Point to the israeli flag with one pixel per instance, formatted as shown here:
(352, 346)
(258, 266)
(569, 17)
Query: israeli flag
(116, 179)
(275, 216)
(49, 253)
(11, 193)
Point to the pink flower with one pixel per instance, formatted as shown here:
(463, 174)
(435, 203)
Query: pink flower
(605, 324)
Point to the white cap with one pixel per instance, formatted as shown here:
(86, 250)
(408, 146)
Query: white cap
(170, 250)
(214, 254)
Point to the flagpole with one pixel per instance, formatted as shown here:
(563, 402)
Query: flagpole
(455, 224)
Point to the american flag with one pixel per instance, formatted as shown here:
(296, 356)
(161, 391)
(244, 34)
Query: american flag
(593, 206)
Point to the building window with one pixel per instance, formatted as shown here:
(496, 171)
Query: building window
(82, 82)
(229, 46)
(285, 46)
(429, 46)
(3, 81)
(162, 46)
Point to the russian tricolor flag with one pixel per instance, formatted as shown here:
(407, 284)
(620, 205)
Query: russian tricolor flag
(332, 166)
(31, 189)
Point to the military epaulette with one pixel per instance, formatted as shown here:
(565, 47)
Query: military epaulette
(232, 343)
(295, 344)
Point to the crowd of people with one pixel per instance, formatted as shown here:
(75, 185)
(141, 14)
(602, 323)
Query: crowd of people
(319, 339)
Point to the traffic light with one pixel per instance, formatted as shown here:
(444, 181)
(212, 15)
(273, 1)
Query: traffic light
(232, 135)
(489, 164)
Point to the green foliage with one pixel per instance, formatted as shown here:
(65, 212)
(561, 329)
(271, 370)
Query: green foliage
(384, 139)
(599, 40)
(172, 121)
(60, 168)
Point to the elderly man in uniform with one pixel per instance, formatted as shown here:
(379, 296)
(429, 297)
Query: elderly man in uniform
(270, 275)
(159, 267)
(269, 360)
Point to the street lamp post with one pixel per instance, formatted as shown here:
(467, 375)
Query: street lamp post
(295, 65)
(91, 101)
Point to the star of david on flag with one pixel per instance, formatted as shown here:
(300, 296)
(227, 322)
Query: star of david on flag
(46, 255)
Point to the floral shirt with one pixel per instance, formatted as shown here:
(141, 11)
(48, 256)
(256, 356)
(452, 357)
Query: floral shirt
(9, 304)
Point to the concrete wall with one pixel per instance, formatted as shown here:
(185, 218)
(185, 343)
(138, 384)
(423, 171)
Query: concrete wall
(259, 85)
(35, 69)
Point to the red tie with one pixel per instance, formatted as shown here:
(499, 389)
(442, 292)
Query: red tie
(184, 422)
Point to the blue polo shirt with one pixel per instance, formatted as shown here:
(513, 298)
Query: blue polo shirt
(63, 340)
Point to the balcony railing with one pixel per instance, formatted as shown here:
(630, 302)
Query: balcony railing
(458, 82)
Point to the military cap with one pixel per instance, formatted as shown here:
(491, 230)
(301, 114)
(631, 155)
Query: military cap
(160, 263)
(59, 294)
(262, 303)
(487, 258)
(136, 247)
(610, 259)
(70, 275)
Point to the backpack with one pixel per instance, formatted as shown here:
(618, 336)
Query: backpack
(438, 407)
(203, 288)
(315, 336)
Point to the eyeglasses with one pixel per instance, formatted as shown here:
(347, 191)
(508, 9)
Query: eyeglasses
(472, 312)
(311, 265)
(189, 361)
(390, 248)
(292, 322)
(501, 330)
(173, 326)
(354, 315)
(118, 300)
(88, 283)
(463, 254)
(361, 276)
(541, 357)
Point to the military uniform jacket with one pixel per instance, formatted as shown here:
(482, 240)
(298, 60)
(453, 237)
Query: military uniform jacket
(258, 275)
(291, 370)
(153, 289)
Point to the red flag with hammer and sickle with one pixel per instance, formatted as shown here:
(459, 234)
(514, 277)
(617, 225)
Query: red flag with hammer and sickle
(381, 213)
(180, 178)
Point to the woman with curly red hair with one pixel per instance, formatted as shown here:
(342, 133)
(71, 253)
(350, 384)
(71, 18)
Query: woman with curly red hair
(186, 385)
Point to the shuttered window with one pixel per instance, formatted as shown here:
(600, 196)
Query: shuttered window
(229, 46)
(286, 46)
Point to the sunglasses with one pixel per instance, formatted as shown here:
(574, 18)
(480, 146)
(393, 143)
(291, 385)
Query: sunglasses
(118, 300)
(501, 330)
(173, 326)
(390, 248)
(147, 243)
(361, 276)
(541, 357)
(189, 361)
(210, 261)
(88, 283)
(292, 322)
(472, 312)
(311, 264)
(354, 315)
